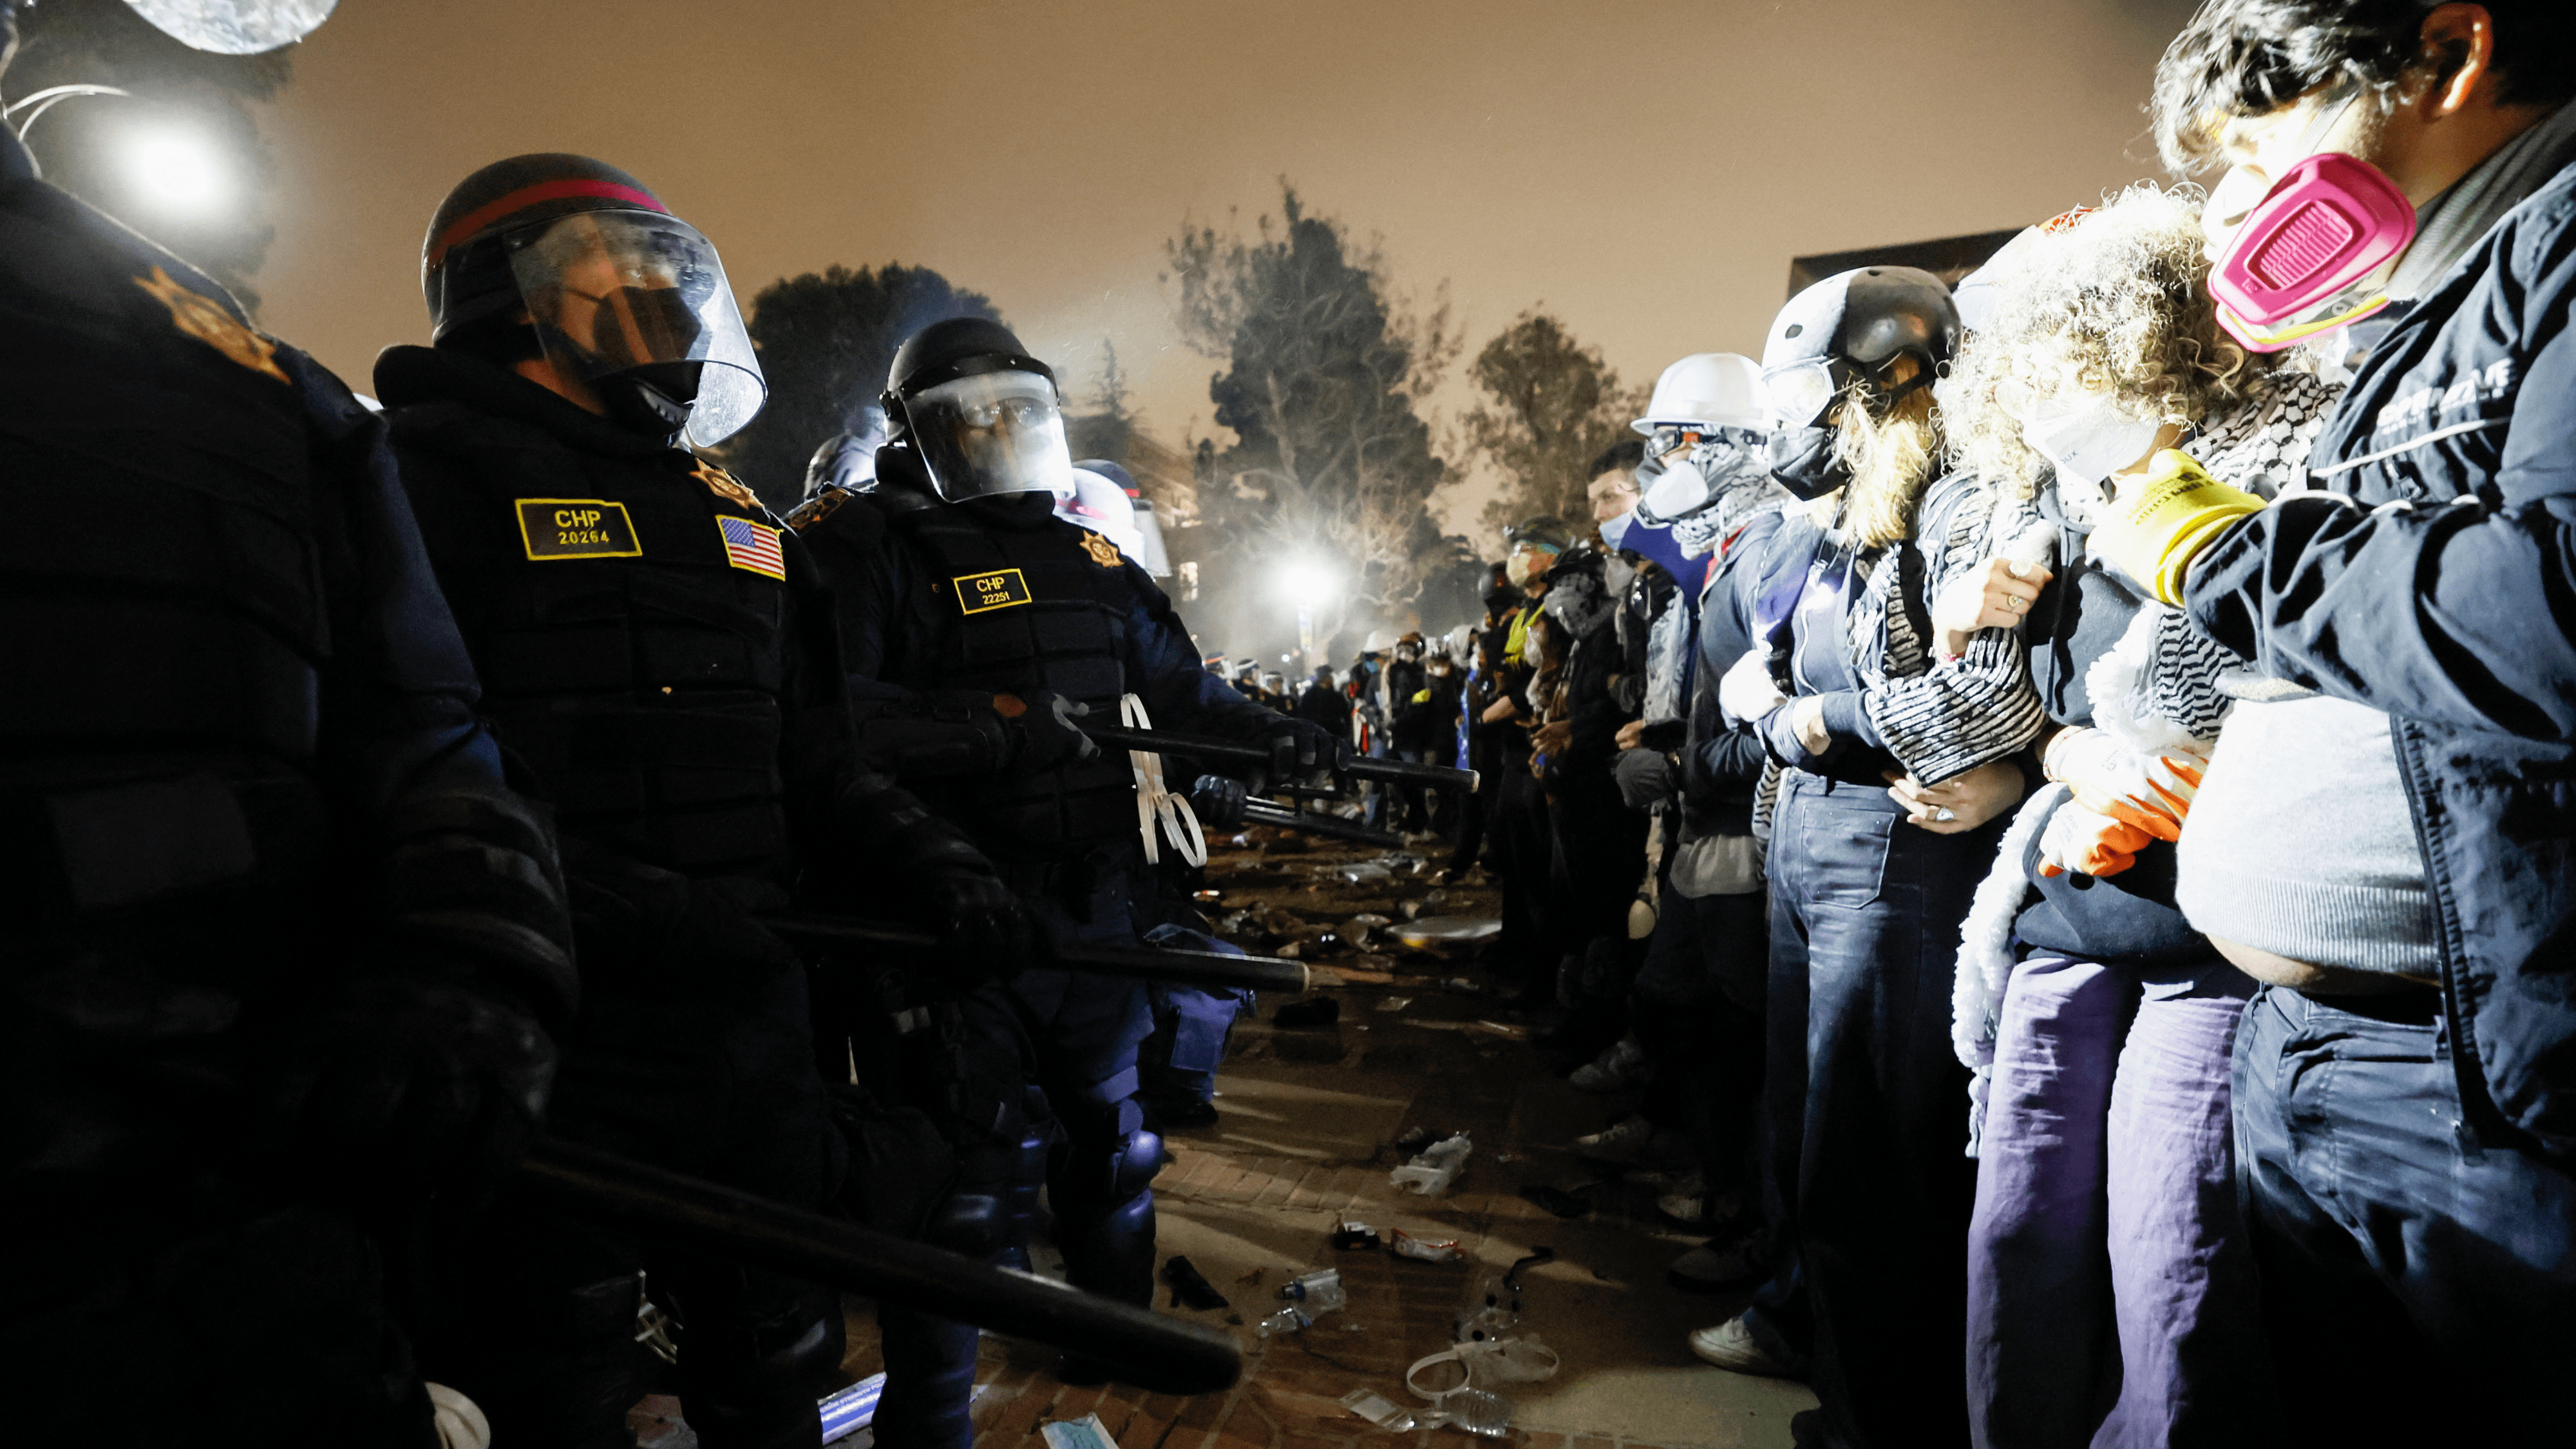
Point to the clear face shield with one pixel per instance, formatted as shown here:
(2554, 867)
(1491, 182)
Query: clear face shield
(991, 433)
(641, 295)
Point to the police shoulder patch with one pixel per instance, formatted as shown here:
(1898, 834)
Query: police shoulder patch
(1102, 551)
(554, 528)
(209, 323)
(817, 508)
(999, 589)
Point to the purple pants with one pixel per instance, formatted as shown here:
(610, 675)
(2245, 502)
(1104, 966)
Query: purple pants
(2111, 1293)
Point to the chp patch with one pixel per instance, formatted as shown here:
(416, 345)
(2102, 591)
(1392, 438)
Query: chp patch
(555, 528)
(983, 593)
(1102, 551)
(753, 546)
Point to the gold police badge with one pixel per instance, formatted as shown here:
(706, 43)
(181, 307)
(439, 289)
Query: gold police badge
(726, 486)
(1102, 551)
(209, 323)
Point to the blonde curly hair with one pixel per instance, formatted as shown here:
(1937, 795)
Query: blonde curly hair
(2117, 301)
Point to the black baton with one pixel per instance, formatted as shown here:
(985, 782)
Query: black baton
(1164, 1354)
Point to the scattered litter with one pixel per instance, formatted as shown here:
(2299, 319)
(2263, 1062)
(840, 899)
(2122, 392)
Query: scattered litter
(1086, 1432)
(1359, 974)
(1367, 872)
(1290, 1319)
(1313, 1011)
(1321, 1291)
(1349, 1237)
(1407, 910)
(1395, 1003)
(1463, 986)
(1368, 919)
(1378, 1409)
(1287, 952)
(1207, 898)
(1406, 1245)
(1556, 1200)
(1415, 1139)
(1190, 1287)
(1507, 1030)
(1438, 934)
(1252, 1276)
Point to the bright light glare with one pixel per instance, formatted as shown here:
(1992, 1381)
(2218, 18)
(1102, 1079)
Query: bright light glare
(177, 169)
(1306, 583)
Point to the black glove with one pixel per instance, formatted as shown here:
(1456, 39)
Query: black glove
(984, 928)
(1218, 800)
(406, 1082)
(1300, 747)
(1043, 730)
(1645, 778)
(669, 933)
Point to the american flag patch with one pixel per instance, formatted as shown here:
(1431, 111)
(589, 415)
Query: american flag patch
(749, 545)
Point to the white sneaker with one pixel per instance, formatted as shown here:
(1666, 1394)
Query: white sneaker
(1730, 1346)
(1621, 1141)
(1618, 1066)
(1688, 1202)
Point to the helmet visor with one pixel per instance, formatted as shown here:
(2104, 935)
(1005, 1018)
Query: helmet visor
(617, 291)
(991, 433)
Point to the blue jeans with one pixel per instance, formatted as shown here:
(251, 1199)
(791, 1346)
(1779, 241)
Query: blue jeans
(2415, 1281)
(1868, 908)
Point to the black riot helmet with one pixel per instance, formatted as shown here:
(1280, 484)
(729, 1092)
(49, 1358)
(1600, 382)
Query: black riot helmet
(618, 293)
(1846, 331)
(983, 416)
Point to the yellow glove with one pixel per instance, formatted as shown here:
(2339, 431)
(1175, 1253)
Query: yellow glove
(2164, 518)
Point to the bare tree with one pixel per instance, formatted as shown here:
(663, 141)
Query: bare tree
(1326, 369)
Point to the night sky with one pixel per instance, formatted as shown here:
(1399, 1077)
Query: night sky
(1644, 170)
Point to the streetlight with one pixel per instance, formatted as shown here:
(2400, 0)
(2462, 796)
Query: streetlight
(176, 168)
(1306, 583)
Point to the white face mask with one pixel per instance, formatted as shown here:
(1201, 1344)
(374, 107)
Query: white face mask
(2086, 437)
(1679, 491)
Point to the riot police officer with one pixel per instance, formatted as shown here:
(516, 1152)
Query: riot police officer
(281, 946)
(979, 626)
(660, 658)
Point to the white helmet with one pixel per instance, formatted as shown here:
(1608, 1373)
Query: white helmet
(1380, 641)
(1103, 507)
(1706, 391)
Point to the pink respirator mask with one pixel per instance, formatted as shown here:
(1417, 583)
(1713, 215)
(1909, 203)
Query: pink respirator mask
(2310, 255)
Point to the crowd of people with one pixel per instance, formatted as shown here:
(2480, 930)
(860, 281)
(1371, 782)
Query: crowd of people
(2056, 791)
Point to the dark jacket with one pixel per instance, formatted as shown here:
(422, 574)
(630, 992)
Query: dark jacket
(2439, 591)
(238, 706)
(1721, 764)
(1329, 708)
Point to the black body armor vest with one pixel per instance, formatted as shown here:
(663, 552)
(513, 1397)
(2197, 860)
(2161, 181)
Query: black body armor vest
(629, 616)
(161, 581)
(1013, 608)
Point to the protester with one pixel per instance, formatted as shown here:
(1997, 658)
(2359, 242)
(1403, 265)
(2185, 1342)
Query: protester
(2391, 856)
(1897, 768)
(1595, 842)
(2111, 1289)
(1518, 848)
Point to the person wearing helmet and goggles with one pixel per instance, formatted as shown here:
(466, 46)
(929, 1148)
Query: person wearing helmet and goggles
(1897, 768)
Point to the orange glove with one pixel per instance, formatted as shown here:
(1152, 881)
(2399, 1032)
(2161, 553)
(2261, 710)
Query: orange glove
(2088, 843)
(2149, 792)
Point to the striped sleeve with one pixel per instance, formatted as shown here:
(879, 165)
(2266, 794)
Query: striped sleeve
(1944, 718)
